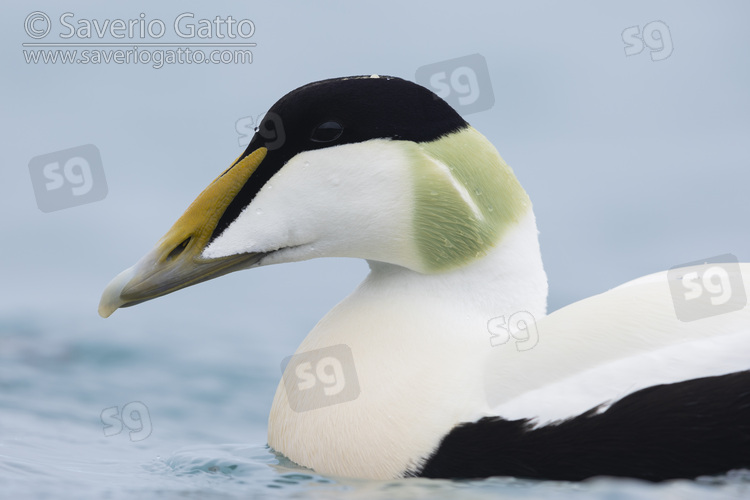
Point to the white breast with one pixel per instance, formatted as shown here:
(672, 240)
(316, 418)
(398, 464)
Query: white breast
(417, 343)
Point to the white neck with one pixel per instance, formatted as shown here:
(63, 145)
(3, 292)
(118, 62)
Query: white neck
(418, 342)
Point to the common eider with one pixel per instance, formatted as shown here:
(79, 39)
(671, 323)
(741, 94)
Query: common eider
(443, 362)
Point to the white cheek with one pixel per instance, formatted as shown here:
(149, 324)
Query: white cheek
(347, 201)
(268, 223)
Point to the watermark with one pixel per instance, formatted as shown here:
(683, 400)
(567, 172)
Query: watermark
(268, 125)
(655, 36)
(68, 178)
(140, 40)
(319, 378)
(246, 128)
(157, 58)
(707, 287)
(134, 416)
(463, 82)
(520, 326)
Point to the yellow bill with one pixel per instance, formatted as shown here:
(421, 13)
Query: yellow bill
(176, 262)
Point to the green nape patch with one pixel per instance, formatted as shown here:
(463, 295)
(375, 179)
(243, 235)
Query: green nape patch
(466, 197)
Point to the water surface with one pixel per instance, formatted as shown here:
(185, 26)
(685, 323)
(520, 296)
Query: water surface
(194, 426)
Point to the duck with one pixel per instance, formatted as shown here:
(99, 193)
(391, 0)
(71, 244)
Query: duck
(443, 362)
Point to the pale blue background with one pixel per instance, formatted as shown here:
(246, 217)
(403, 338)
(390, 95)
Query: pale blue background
(633, 167)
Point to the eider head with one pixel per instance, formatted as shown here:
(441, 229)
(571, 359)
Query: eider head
(371, 167)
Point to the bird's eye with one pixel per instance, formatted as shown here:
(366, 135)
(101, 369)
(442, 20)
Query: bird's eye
(327, 132)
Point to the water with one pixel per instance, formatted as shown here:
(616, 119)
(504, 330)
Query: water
(197, 404)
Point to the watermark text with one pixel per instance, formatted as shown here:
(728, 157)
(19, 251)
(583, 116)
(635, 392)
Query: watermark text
(707, 287)
(134, 416)
(319, 378)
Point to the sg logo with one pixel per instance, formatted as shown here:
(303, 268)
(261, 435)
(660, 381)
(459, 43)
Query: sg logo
(655, 36)
(333, 381)
(463, 82)
(68, 178)
(134, 416)
(521, 326)
(319, 378)
(268, 125)
(707, 288)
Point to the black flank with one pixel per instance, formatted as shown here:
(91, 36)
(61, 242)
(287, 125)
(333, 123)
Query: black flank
(681, 430)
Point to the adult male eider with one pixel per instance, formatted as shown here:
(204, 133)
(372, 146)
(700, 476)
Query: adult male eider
(382, 169)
